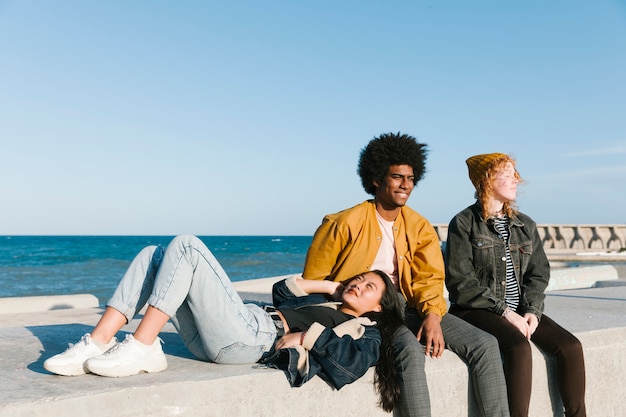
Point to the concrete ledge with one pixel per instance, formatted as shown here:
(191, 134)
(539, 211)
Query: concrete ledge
(229, 391)
(193, 388)
(47, 303)
(581, 277)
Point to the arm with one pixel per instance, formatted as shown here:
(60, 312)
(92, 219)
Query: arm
(426, 279)
(332, 288)
(427, 273)
(342, 359)
(337, 359)
(292, 292)
(536, 276)
(464, 286)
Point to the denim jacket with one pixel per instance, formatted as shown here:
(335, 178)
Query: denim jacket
(476, 263)
(339, 356)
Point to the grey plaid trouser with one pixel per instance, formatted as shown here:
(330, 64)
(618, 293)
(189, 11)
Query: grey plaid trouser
(478, 349)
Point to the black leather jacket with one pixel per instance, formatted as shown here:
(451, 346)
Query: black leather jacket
(476, 263)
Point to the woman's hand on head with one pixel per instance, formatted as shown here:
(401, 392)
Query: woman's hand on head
(336, 292)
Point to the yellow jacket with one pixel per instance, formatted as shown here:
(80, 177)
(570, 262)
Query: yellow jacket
(346, 244)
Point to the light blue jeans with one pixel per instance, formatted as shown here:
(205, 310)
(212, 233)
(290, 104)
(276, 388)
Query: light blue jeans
(187, 283)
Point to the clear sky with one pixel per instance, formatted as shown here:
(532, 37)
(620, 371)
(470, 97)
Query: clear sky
(247, 117)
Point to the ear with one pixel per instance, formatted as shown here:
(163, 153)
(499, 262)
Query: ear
(376, 183)
(378, 308)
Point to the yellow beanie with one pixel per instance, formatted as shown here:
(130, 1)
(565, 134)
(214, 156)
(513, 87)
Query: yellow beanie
(478, 165)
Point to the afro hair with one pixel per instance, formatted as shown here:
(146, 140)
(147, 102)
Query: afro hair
(386, 150)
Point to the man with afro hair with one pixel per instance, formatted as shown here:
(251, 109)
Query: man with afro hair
(384, 233)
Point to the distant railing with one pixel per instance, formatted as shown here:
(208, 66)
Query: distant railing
(572, 237)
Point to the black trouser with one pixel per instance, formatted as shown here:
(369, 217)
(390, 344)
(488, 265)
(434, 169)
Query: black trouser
(553, 340)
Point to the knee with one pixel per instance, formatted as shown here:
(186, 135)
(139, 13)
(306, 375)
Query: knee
(483, 346)
(185, 240)
(151, 253)
(186, 244)
(149, 250)
(571, 348)
(407, 350)
(519, 349)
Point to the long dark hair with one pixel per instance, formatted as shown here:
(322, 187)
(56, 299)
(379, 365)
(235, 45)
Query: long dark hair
(387, 321)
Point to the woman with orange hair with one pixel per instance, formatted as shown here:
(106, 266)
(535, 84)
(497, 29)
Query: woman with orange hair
(496, 274)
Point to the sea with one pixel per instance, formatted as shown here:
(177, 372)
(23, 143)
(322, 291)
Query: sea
(61, 265)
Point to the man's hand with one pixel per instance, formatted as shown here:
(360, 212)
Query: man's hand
(432, 335)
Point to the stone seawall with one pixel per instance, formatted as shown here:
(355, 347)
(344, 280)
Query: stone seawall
(572, 238)
(191, 388)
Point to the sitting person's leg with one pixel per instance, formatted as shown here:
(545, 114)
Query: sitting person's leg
(480, 351)
(570, 363)
(515, 352)
(410, 361)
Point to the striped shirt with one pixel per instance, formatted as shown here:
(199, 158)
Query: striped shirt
(512, 290)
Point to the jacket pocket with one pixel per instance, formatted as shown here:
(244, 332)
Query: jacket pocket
(525, 253)
(483, 251)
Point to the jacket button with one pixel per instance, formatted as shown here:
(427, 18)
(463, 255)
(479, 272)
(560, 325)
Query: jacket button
(479, 244)
(504, 258)
(503, 283)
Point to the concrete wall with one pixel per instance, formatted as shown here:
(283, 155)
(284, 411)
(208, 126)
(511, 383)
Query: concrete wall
(246, 392)
(596, 315)
(572, 237)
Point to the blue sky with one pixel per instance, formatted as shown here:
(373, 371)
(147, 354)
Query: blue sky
(247, 118)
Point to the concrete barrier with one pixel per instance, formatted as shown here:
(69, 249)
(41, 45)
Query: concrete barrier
(193, 388)
(581, 277)
(571, 237)
(243, 391)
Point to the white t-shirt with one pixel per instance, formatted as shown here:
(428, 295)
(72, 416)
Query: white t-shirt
(386, 259)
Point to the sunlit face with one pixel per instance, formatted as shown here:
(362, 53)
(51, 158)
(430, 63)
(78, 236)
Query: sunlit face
(504, 184)
(395, 188)
(363, 294)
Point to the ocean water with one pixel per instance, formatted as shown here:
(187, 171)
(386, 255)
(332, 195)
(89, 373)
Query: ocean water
(59, 265)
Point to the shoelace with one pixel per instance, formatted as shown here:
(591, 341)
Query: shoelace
(84, 340)
(124, 342)
(118, 345)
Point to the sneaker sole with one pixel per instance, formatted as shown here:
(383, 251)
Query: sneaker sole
(65, 370)
(160, 366)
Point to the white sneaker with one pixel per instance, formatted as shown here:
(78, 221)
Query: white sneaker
(129, 357)
(72, 361)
